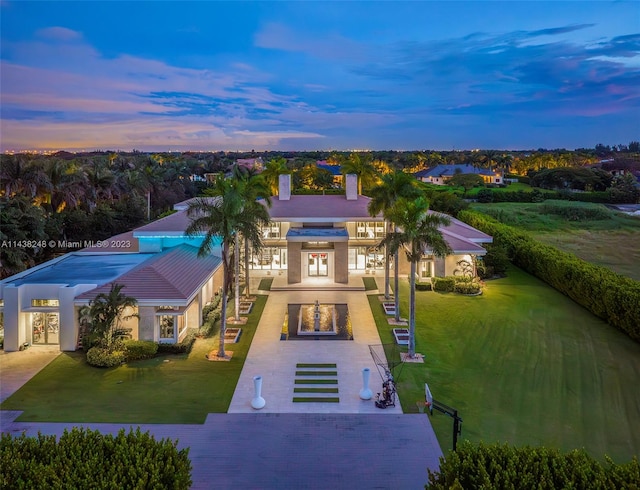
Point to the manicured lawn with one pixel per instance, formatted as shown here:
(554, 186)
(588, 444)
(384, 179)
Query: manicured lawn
(180, 391)
(523, 364)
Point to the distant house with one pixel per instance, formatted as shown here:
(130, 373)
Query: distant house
(440, 174)
(251, 163)
(334, 170)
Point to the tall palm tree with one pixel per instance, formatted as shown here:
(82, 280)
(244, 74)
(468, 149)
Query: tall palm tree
(361, 165)
(223, 217)
(392, 187)
(254, 188)
(418, 234)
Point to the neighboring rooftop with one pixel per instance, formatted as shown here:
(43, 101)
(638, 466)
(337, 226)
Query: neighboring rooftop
(451, 170)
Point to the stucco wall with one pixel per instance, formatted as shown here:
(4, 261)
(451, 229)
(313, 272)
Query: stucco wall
(146, 323)
(294, 254)
(341, 264)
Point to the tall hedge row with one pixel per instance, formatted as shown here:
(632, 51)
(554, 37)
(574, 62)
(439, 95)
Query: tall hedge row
(610, 296)
(83, 458)
(501, 466)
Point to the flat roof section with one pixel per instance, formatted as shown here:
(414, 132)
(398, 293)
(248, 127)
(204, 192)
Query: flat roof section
(318, 234)
(84, 268)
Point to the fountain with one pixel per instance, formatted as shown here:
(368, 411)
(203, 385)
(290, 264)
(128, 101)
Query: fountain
(317, 319)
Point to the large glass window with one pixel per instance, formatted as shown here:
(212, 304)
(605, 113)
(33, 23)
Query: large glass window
(45, 328)
(45, 302)
(272, 231)
(426, 267)
(167, 327)
(270, 258)
(370, 229)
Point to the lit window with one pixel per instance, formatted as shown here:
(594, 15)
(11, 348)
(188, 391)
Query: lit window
(45, 302)
(167, 326)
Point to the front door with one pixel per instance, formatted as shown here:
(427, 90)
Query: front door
(318, 264)
(45, 328)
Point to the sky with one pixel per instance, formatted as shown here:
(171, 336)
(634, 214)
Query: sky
(237, 76)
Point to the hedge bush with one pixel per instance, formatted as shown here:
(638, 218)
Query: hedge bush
(443, 284)
(502, 466)
(183, 347)
(99, 357)
(423, 286)
(467, 288)
(140, 349)
(610, 296)
(83, 458)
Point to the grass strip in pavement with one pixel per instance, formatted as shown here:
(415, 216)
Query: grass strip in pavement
(316, 381)
(315, 390)
(316, 373)
(301, 365)
(265, 284)
(309, 399)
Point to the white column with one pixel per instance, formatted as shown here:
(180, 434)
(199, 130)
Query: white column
(365, 392)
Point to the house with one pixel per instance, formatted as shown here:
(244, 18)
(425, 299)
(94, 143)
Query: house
(440, 174)
(155, 263)
(330, 237)
(312, 240)
(334, 170)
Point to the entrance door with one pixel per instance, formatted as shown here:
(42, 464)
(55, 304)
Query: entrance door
(45, 328)
(318, 264)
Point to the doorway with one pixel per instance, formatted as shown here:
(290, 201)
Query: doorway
(45, 328)
(318, 264)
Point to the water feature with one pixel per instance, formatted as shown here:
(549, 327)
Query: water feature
(317, 319)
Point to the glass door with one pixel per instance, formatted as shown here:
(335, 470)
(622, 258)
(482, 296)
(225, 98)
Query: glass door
(45, 328)
(318, 264)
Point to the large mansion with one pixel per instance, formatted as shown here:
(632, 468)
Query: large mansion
(311, 240)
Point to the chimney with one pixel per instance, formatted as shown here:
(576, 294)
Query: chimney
(284, 187)
(352, 187)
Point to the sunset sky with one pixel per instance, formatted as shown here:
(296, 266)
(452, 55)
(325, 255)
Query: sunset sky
(160, 76)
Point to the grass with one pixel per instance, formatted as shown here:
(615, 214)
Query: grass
(181, 391)
(369, 284)
(610, 242)
(316, 365)
(316, 381)
(265, 284)
(523, 364)
(306, 399)
(316, 373)
(315, 390)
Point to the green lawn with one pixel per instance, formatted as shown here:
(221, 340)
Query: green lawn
(523, 364)
(611, 242)
(181, 391)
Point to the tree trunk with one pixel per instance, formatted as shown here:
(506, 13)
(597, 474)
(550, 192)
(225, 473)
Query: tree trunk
(247, 292)
(387, 284)
(396, 293)
(236, 264)
(412, 311)
(225, 288)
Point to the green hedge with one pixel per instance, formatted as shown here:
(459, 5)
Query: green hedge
(99, 357)
(467, 288)
(84, 458)
(140, 349)
(423, 286)
(499, 466)
(183, 347)
(444, 284)
(610, 296)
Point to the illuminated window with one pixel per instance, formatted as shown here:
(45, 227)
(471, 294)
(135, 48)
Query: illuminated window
(45, 302)
(167, 327)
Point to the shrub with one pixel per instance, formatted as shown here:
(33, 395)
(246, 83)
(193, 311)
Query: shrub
(183, 347)
(505, 466)
(83, 458)
(140, 349)
(443, 284)
(100, 357)
(485, 195)
(575, 211)
(423, 286)
(467, 288)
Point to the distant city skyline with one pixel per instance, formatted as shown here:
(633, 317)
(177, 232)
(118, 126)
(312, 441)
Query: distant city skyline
(237, 76)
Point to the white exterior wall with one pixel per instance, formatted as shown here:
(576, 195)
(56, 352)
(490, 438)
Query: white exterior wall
(12, 306)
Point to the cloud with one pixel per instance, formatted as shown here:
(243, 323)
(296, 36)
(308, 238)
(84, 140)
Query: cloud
(59, 34)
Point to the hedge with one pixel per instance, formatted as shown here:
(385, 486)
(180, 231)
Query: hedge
(83, 458)
(610, 296)
(140, 349)
(501, 466)
(443, 284)
(99, 357)
(183, 347)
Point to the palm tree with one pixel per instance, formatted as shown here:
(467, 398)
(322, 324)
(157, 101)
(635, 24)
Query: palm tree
(223, 217)
(104, 315)
(271, 174)
(254, 188)
(361, 165)
(392, 187)
(418, 234)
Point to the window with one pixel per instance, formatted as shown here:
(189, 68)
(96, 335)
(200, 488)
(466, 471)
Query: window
(370, 229)
(45, 302)
(167, 327)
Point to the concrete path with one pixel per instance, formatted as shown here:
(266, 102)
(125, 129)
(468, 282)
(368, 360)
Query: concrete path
(16, 368)
(293, 451)
(275, 360)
